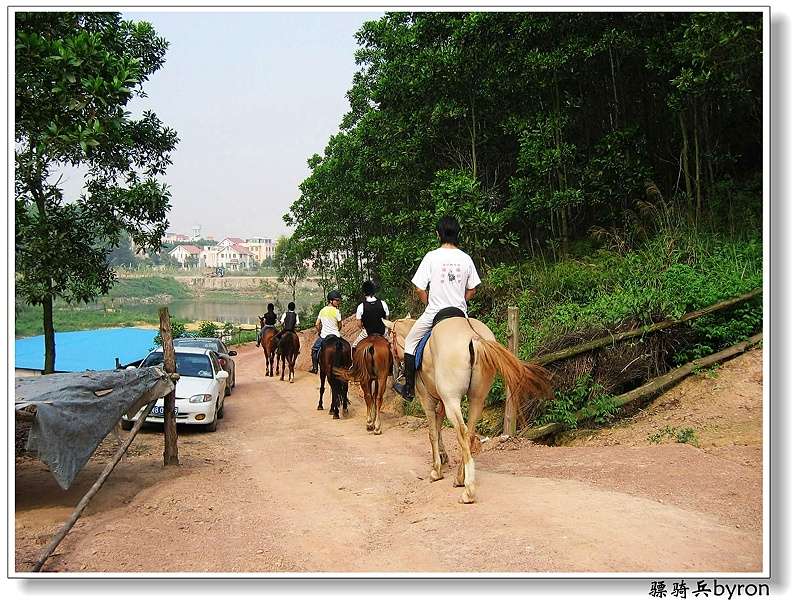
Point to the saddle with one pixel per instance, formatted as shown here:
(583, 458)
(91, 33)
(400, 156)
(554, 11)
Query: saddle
(330, 339)
(445, 313)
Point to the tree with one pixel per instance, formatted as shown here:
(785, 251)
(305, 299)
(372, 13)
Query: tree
(75, 75)
(289, 262)
(122, 254)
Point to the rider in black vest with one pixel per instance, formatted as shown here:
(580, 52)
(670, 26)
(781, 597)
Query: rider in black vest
(370, 313)
(288, 320)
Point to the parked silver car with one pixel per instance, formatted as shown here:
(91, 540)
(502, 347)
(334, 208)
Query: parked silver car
(218, 346)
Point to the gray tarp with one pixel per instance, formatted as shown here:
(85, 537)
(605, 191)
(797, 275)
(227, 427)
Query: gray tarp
(76, 411)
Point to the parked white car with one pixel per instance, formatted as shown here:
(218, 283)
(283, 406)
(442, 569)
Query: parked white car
(217, 345)
(199, 393)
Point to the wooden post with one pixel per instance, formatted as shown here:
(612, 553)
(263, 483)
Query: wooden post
(170, 427)
(510, 417)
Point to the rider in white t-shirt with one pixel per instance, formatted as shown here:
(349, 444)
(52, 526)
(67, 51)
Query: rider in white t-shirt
(451, 278)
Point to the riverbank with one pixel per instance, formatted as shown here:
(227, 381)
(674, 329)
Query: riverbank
(134, 302)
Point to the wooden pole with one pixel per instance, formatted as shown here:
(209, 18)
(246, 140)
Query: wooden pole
(617, 337)
(652, 387)
(510, 417)
(93, 490)
(170, 426)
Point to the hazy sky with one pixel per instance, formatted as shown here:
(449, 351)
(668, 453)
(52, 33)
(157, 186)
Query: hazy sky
(252, 96)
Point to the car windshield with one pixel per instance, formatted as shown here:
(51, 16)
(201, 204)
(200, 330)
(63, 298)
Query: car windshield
(214, 345)
(189, 365)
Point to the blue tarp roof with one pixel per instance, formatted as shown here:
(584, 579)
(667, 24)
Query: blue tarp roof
(93, 349)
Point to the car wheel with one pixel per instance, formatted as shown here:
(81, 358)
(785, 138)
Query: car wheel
(213, 425)
(221, 412)
(126, 425)
(227, 390)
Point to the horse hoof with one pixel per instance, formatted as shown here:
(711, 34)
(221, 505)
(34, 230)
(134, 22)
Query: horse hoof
(466, 499)
(378, 432)
(457, 484)
(435, 476)
(370, 427)
(335, 416)
(320, 407)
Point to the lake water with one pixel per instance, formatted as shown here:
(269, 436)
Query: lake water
(93, 349)
(246, 311)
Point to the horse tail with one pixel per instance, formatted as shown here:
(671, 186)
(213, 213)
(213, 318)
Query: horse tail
(360, 369)
(526, 380)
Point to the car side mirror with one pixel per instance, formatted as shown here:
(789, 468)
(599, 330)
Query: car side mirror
(232, 353)
(222, 375)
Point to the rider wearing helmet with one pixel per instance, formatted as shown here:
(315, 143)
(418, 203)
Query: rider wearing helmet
(270, 318)
(370, 314)
(329, 321)
(452, 278)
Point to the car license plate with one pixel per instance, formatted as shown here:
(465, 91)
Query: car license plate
(158, 411)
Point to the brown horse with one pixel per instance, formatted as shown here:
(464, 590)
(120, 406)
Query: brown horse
(287, 351)
(268, 345)
(462, 359)
(334, 354)
(372, 363)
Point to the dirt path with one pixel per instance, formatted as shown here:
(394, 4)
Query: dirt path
(282, 487)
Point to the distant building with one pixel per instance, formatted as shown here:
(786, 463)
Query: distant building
(186, 254)
(260, 248)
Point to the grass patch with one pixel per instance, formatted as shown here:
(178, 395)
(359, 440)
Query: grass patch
(28, 321)
(686, 435)
(147, 287)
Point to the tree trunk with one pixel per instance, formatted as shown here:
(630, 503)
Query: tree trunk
(49, 336)
(473, 134)
(685, 159)
(698, 206)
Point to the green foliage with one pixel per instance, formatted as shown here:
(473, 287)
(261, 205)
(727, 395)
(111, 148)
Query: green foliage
(178, 328)
(289, 262)
(585, 394)
(531, 129)
(207, 329)
(668, 276)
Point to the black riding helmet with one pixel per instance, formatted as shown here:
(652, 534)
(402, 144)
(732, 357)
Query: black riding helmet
(334, 295)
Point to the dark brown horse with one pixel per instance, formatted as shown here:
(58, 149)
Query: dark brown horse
(372, 363)
(269, 346)
(287, 351)
(334, 354)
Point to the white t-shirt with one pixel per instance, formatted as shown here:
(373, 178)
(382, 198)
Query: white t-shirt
(360, 309)
(330, 318)
(450, 272)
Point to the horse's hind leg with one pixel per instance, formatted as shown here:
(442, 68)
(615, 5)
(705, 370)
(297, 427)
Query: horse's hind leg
(282, 358)
(321, 389)
(370, 402)
(439, 421)
(452, 406)
(380, 385)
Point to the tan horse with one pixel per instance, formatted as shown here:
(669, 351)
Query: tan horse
(461, 359)
(372, 363)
